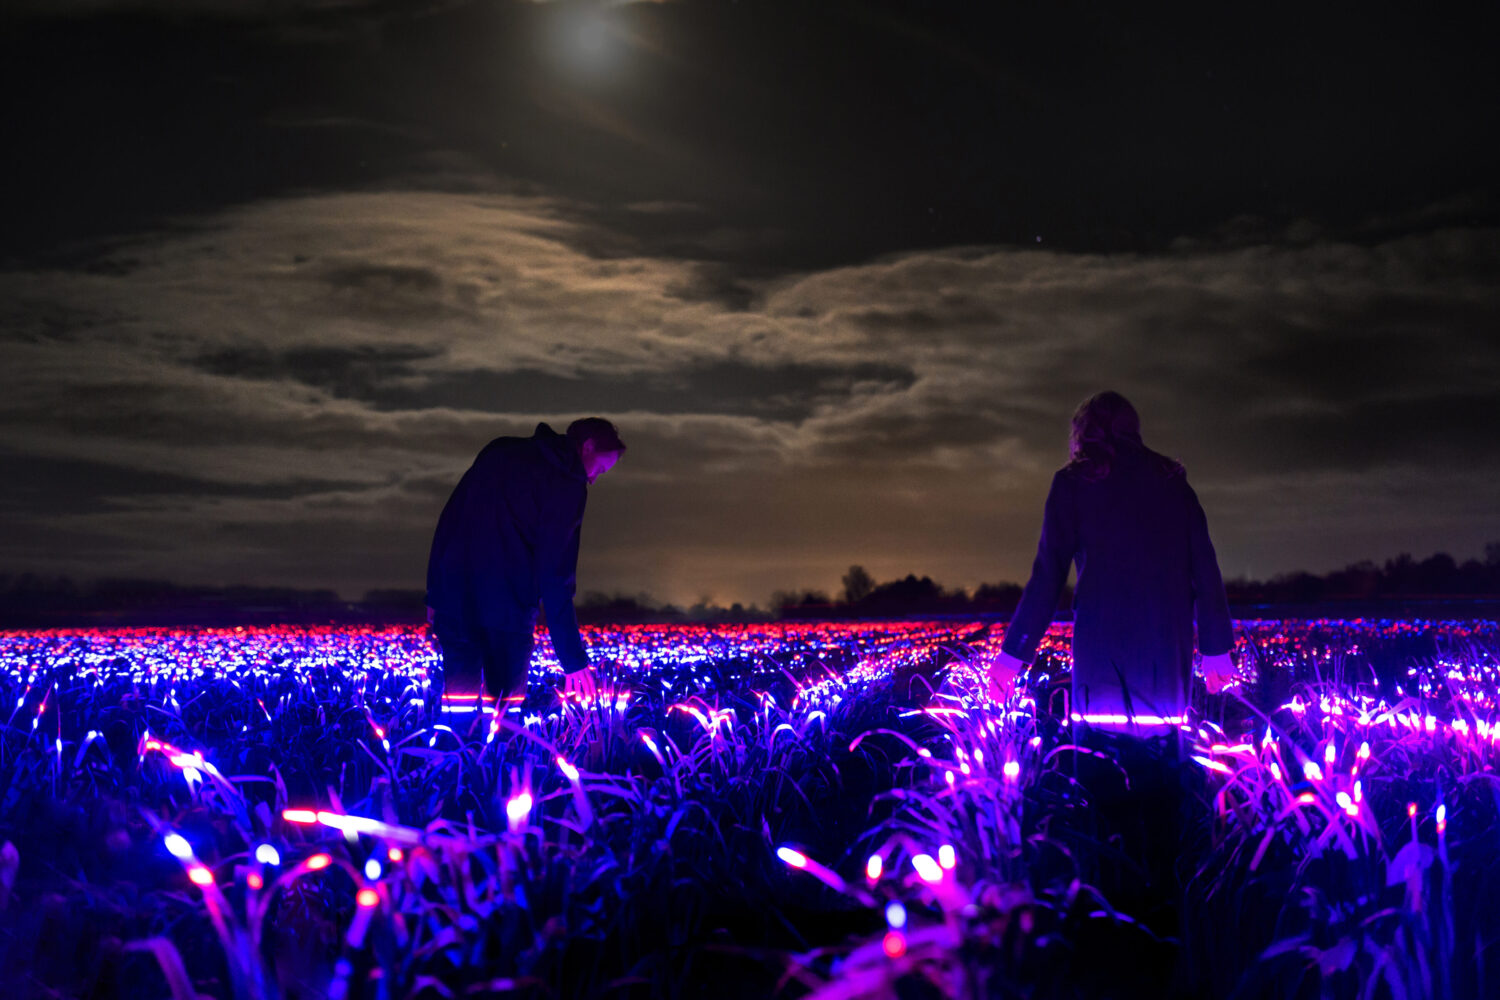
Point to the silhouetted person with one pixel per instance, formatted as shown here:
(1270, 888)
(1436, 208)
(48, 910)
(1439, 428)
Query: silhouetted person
(508, 540)
(1146, 568)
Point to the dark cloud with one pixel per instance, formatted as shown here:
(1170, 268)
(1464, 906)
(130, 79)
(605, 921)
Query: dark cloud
(392, 379)
(1449, 430)
(383, 279)
(208, 9)
(779, 392)
(69, 487)
(717, 284)
(948, 312)
(350, 372)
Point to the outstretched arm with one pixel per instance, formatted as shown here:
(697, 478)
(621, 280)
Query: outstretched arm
(558, 577)
(1049, 571)
(1210, 604)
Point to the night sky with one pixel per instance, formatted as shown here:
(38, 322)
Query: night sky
(271, 273)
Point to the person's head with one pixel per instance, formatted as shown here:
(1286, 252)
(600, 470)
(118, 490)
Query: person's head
(1104, 425)
(598, 443)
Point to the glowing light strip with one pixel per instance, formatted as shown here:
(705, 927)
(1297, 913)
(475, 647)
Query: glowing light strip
(1106, 719)
(355, 824)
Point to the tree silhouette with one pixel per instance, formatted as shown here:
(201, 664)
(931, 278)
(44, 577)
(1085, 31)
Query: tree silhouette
(857, 585)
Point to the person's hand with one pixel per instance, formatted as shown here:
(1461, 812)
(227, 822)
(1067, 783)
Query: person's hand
(581, 685)
(1004, 669)
(1219, 673)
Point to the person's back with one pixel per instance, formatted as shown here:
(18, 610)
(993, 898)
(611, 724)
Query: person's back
(1143, 556)
(520, 502)
(1146, 568)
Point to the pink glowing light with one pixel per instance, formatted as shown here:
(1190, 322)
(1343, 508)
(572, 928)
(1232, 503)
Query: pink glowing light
(318, 862)
(1117, 719)
(651, 745)
(874, 867)
(200, 875)
(518, 809)
(353, 825)
(800, 861)
(367, 898)
(928, 870)
(893, 944)
(1012, 770)
(1214, 765)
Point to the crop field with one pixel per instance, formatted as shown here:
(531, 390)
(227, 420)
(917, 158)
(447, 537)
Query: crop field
(828, 810)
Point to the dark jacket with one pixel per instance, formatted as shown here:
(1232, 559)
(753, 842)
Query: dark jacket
(1146, 567)
(508, 539)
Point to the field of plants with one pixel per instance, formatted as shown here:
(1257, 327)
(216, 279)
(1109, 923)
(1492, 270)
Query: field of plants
(794, 810)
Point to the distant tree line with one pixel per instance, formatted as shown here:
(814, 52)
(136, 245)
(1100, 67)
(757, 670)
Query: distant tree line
(1437, 576)
(1402, 579)
(32, 601)
(862, 597)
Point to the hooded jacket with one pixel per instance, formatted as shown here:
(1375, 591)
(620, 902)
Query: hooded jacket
(1146, 569)
(508, 539)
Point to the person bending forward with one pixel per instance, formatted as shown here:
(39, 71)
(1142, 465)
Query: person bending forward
(507, 540)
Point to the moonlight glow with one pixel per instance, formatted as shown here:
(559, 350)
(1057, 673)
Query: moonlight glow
(586, 41)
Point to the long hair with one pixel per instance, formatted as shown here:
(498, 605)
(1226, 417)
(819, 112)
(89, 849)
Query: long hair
(1105, 426)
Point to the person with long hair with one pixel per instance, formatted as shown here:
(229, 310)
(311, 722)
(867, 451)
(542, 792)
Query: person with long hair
(1146, 570)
